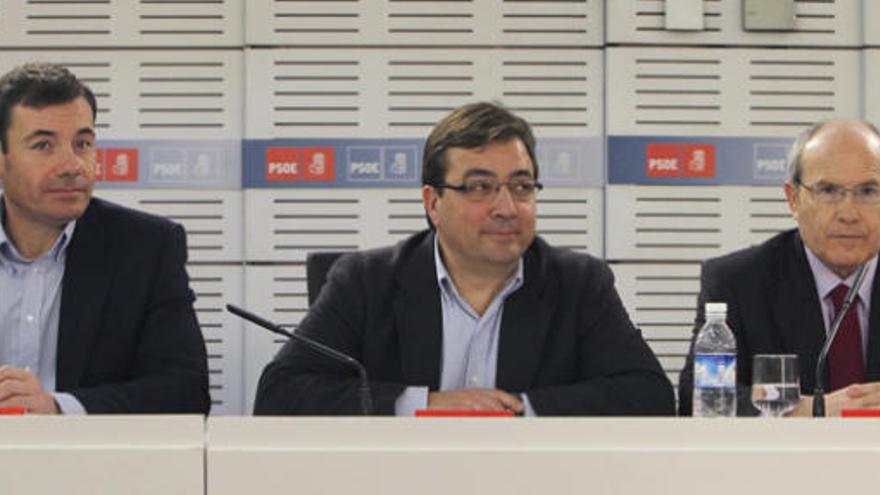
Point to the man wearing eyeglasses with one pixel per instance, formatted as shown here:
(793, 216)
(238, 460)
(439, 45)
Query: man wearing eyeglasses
(476, 313)
(782, 295)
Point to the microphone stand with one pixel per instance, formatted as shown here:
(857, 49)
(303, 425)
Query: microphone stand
(363, 389)
(821, 364)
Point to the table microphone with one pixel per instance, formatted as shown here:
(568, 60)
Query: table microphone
(363, 390)
(821, 364)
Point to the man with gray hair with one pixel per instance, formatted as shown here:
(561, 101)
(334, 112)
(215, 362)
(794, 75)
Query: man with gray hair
(783, 294)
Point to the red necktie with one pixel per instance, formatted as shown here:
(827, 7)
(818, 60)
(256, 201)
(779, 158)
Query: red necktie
(845, 361)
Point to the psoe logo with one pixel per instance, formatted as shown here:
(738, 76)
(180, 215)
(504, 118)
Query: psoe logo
(121, 165)
(663, 160)
(770, 161)
(282, 164)
(319, 163)
(699, 160)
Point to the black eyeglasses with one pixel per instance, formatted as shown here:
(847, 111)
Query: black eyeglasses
(479, 189)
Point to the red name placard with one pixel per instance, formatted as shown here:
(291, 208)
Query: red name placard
(445, 413)
(860, 413)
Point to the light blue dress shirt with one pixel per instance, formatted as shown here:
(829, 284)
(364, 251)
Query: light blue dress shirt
(30, 306)
(470, 341)
(826, 281)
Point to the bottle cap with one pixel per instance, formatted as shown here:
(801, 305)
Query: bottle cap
(716, 308)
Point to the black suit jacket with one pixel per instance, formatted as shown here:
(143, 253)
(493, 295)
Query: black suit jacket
(128, 338)
(772, 308)
(565, 338)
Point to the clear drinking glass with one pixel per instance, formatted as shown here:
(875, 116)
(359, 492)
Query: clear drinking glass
(776, 384)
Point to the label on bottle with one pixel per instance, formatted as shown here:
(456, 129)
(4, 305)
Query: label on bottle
(715, 370)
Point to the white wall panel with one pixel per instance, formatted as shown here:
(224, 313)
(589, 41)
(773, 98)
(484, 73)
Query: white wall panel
(285, 225)
(661, 300)
(872, 85)
(825, 23)
(870, 25)
(215, 286)
(426, 22)
(278, 293)
(121, 23)
(403, 93)
(151, 94)
(728, 92)
(212, 219)
(690, 222)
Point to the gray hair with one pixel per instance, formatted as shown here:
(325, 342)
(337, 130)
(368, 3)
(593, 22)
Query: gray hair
(793, 161)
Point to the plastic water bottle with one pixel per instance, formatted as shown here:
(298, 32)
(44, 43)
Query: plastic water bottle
(715, 365)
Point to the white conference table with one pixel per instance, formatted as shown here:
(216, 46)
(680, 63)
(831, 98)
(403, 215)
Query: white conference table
(97, 455)
(542, 455)
(243, 455)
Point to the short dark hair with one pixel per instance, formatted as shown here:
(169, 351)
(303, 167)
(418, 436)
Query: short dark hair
(38, 85)
(472, 126)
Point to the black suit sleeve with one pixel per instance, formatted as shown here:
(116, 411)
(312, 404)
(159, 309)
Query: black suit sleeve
(715, 287)
(617, 373)
(301, 381)
(168, 369)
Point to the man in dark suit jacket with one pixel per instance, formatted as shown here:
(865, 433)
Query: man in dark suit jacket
(96, 314)
(777, 294)
(476, 313)
(128, 338)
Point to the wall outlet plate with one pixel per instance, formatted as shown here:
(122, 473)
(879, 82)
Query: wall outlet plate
(684, 15)
(769, 15)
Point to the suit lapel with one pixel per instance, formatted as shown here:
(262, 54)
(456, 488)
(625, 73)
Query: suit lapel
(524, 326)
(84, 289)
(418, 317)
(796, 307)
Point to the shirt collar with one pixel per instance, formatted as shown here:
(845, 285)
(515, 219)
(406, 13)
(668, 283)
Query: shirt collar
(9, 253)
(827, 280)
(445, 281)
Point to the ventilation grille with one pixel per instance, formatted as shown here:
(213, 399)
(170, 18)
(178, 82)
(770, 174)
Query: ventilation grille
(427, 22)
(676, 92)
(105, 23)
(542, 22)
(558, 95)
(184, 93)
(415, 21)
(661, 300)
(179, 94)
(285, 225)
(822, 22)
(212, 219)
(572, 219)
(399, 93)
(761, 92)
(171, 19)
(215, 286)
(412, 81)
(791, 91)
(691, 223)
(767, 214)
(280, 294)
(47, 23)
